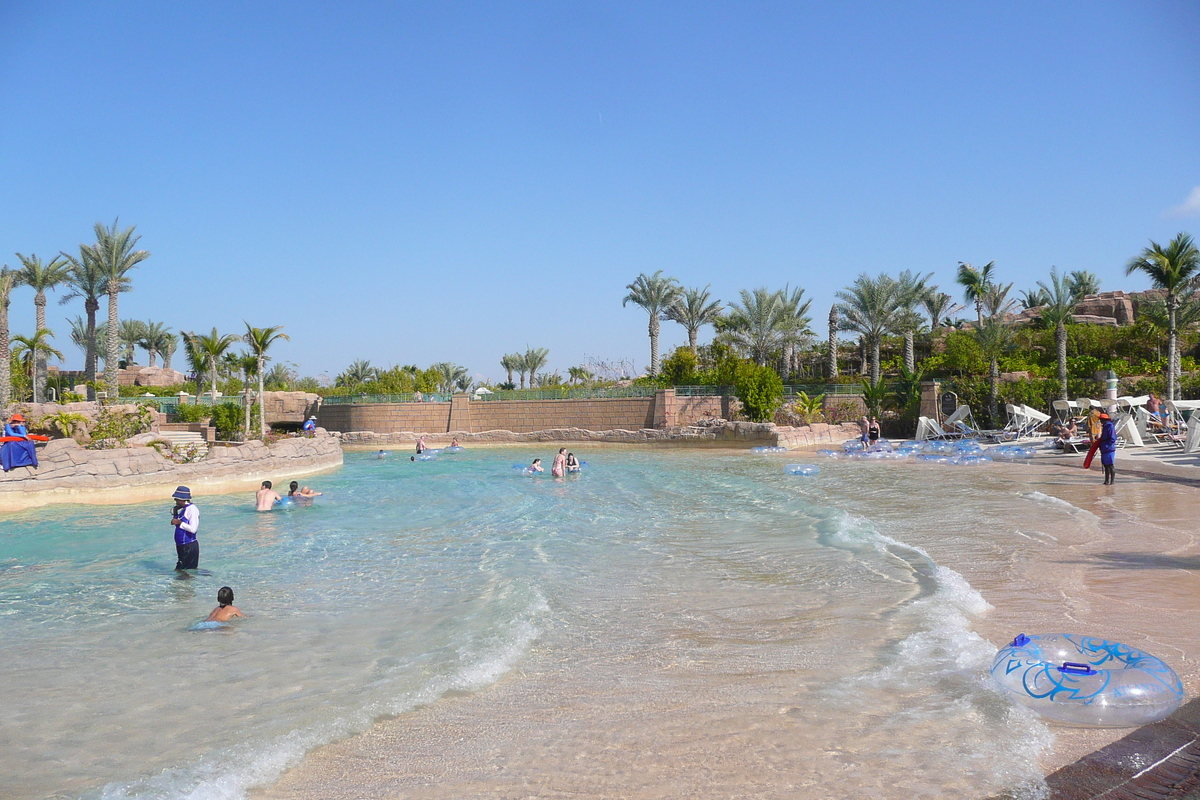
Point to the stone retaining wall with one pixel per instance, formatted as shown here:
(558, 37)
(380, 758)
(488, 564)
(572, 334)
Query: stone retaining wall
(720, 434)
(68, 473)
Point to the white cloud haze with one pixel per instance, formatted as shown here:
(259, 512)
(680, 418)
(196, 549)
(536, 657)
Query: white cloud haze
(1189, 207)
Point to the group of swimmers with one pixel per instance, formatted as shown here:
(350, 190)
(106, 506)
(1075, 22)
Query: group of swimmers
(267, 498)
(564, 463)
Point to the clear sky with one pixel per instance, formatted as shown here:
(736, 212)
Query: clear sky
(411, 183)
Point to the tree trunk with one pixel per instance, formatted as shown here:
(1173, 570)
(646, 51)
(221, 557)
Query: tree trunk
(693, 337)
(39, 356)
(910, 352)
(91, 305)
(212, 371)
(1172, 345)
(875, 344)
(245, 406)
(262, 412)
(110, 359)
(5, 358)
(994, 391)
(654, 328)
(151, 356)
(831, 366)
(1060, 342)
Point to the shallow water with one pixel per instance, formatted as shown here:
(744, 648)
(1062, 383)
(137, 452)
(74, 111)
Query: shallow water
(666, 620)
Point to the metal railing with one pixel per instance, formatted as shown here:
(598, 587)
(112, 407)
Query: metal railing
(368, 399)
(569, 393)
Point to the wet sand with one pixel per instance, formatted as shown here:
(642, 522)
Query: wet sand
(638, 727)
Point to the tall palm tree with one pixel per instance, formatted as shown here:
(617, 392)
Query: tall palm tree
(8, 279)
(509, 363)
(28, 348)
(115, 257)
(912, 288)
(579, 374)
(87, 280)
(167, 345)
(209, 348)
(1171, 268)
(794, 330)
(976, 284)
(80, 335)
(260, 340)
(1059, 299)
(449, 374)
(994, 339)
(693, 310)
(41, 276)
(831, 367)
(130, 333)
(655, 294)
(757, 323)
(870, 307)
(534, 359)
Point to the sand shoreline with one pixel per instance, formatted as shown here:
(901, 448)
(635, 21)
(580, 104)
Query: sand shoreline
(363, 765)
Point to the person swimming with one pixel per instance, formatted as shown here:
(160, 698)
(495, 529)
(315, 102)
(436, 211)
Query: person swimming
(382, 454)
(573, 463)
(225, 609)
(536, 466)
(266, 497)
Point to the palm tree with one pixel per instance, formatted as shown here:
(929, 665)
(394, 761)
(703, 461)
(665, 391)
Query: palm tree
(114, 258)
(40, 277)
(244, 366)
(831, 368)
(167, 345)
(28, 348)
(578, 374)
(533, 360)
(358, 373)
(794, 330)
(757, 324)
(509, 363)
(1034, 298)
(260, 340)
(994, 338)
(1059, 299)
(939, 306)
(870, 307)
(8, 279)
(655, 294)
(1084, 283)
(693, 310)
(519, 366)
(912, 288)
(209, 348)
(87, 281)
(449, 374)
(1171, 268)
(976, 284)
(79, 333)
(153, 335)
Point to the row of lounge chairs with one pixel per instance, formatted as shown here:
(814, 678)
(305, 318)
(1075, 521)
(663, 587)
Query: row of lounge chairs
(1023, 422)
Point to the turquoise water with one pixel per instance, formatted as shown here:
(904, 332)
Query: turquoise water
(410, 582)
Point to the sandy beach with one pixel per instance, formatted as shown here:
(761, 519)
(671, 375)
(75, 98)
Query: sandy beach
(644, 727)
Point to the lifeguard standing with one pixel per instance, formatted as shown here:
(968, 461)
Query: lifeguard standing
(186, 519)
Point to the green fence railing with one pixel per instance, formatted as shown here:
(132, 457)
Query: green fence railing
(569, 393)
(367, 399)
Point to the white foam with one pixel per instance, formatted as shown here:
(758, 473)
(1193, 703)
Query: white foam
(230, 774)
(1045, 499)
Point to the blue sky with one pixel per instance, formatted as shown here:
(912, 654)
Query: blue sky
(413, 183)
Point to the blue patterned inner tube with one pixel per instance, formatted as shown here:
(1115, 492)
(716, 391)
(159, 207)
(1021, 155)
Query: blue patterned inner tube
(832, 453)
(455, 449)
(802, 469)
(763, 450)
(971, 460)
(1087, 681)
(428, 455)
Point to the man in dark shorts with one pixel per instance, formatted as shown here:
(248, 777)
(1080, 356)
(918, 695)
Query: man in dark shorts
(186, 519)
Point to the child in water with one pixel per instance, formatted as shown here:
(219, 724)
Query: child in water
(536, 466)
(225, 609)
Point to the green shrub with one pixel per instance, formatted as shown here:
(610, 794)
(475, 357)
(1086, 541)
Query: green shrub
(227, 418)
(680, 368)
(193, 413)
(118, 423)
(760, 391)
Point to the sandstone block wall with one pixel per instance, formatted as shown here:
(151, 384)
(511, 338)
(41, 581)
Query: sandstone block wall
(386, 417)
(525, 416)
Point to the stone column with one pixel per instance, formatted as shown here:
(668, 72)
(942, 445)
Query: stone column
(664, 408)
(460, 414)
(931, 392)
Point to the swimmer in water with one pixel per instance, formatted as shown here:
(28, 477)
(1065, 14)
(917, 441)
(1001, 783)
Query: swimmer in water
(573, 463)
(266, 497)
(560, 463)
(304, 495)
(381, 455)
(225, 609)
(421, 446)
(454, 442)
(536, 466)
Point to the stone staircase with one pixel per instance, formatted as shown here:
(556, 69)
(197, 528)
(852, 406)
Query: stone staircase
(182, 440)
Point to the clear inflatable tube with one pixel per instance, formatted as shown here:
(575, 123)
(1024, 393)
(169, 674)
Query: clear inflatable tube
(1087, 681)
(762, 450)
(802, 469)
